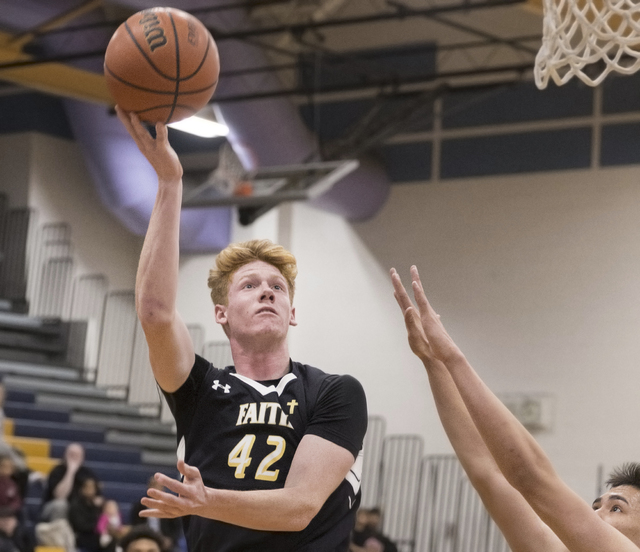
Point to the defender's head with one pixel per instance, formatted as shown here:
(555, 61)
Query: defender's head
(620, 505)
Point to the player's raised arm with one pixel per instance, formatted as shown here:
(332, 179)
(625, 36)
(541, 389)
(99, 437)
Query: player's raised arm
(521, 526)
(170, 347)
(517, 454)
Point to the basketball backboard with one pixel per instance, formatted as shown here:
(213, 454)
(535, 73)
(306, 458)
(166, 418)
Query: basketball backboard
(255, 192)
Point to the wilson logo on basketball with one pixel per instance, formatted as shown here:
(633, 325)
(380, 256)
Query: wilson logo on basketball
(192, 36)
(153, 32)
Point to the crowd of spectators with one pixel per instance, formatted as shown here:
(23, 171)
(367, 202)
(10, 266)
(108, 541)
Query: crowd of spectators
(74, 514)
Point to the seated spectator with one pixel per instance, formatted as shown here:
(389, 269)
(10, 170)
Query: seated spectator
(13, 536)
(170, 529)
(63, 483)
(141, 539)
(20, 470)
(110, 527)
(85, 508)
(9, 492)
(374, 524)
(367, 535)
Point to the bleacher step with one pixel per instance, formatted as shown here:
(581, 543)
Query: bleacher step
(127, 424)
(107, 406)
(143, 440)
(63, 388)
(101, 452)
(159, 458)
(38, 370)
(31, 324)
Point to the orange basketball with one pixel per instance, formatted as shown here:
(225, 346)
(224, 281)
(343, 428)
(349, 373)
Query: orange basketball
(162, 63)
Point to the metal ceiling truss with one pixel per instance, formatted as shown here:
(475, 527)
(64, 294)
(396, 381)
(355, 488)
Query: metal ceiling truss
(397, 12)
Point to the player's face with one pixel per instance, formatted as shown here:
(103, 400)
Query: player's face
(258, 304)
(620, 508)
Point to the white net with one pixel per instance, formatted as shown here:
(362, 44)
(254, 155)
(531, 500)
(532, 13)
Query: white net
(229, 177)
(588, 39)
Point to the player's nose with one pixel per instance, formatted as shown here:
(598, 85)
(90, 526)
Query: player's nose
(267, 293)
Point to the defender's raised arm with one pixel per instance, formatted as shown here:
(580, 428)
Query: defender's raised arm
(521, 460)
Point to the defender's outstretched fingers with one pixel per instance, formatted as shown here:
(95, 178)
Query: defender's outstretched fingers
(400, 293)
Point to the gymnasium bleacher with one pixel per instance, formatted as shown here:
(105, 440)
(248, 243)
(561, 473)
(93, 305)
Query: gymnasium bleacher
(51, 395)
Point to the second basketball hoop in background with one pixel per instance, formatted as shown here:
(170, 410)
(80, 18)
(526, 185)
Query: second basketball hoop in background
(162, 63)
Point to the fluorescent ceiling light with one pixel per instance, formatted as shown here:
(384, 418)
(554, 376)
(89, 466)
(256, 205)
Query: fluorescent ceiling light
(204, 128)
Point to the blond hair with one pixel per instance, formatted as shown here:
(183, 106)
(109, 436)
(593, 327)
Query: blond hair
(232, 257)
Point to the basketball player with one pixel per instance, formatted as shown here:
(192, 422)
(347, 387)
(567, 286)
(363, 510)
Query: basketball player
(269, 448)
(535, 510)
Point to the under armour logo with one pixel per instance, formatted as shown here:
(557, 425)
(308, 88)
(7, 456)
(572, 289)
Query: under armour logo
(216, 384)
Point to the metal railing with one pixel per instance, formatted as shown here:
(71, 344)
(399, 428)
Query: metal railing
(372, 449)
(400, 476)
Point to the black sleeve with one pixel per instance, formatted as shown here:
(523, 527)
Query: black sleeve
(340, 415)
(55, 476)
(182, 401)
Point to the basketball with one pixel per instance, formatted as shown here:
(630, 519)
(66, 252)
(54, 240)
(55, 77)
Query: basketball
(162, 64)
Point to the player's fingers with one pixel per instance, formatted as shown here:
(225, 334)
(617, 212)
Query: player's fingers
(162, 135)
(188, 471)
(172, 484)
(415, 276)
(155, 508)
(125, 119)
(400, 293)
(152, 513)
(421, 300)
(412, 322)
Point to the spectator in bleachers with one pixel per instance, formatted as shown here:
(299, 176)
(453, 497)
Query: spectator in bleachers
(13, 537)
(85, 508)
(374, 524)
(170, 529)
(10, 496)
(110, 526)
(141, 539)
(64, 482)
(367, 535)
(21, 473)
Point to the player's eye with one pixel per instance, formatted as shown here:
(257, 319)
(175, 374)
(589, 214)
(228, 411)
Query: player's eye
(278, 287)
(616, 509)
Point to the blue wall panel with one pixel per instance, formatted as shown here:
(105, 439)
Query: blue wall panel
(33, 112)
(620, 144)
(515, 104)
(621, 93)
(331, 71)
(408, 162)
(516, 153)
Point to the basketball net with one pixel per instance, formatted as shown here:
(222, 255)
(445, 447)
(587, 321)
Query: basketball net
(588, 39)
(229, 177)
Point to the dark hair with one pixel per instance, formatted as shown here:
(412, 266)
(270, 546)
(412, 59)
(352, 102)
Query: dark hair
(627, 474)
(141, 532)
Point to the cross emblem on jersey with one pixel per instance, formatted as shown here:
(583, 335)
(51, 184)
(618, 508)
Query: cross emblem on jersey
(216, 384)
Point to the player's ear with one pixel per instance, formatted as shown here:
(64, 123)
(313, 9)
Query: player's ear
(292, 318)
(220, 312)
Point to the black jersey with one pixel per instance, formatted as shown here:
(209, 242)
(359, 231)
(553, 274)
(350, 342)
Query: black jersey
(242, 435)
